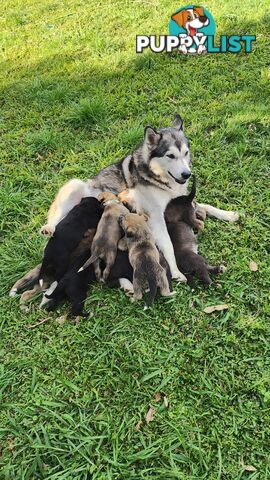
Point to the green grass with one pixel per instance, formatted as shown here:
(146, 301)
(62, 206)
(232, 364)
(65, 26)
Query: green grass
(74, 98)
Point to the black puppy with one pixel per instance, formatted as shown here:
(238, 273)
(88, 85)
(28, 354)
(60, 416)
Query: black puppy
(73, 286)
(68, 234)
(181, 220)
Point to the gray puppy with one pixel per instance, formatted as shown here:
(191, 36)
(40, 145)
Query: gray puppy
(107, 236)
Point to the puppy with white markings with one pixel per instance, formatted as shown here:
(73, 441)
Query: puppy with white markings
(108, 234)
(144, 258)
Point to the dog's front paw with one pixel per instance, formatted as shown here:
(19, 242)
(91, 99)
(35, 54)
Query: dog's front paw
(47, 230)
(233, 217)
(178, 276)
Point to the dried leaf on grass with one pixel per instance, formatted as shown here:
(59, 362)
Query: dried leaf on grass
(253, 267)
(247, 468)
(138, 426)
(216, 308)
(61, 319)
(149, 417)
(157, 397)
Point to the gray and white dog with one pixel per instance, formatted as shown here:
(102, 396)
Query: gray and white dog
(155, 173)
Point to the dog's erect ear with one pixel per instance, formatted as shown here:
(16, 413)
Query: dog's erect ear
(151, 136)
(178, 123)
(179, 18)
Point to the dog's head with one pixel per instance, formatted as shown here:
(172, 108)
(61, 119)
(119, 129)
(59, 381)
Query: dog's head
(134, 225)
(106, 196)
(191, 19)
(167, 153)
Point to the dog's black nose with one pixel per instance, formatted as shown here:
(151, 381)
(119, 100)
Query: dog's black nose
(186, 175)
(203, 18)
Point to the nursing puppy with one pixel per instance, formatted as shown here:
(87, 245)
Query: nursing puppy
(183, 209)
(68, 234)
(181, 220)
(144, 258)
(108, 234)
(73, 286)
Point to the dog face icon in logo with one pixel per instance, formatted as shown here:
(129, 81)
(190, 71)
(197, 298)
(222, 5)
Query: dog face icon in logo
(193, 24)
(191, 19)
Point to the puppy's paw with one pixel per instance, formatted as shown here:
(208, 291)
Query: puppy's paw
(13, 292)
(129, 293)
(47, 230)
(222, 269)
(122, 244)
(124, 196)
(200, 213)
(199, 225)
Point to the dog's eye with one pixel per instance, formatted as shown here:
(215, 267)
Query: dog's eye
(170, 155)
(186, 153)
(189, 17)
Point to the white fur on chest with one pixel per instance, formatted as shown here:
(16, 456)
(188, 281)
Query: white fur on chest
(152, 200)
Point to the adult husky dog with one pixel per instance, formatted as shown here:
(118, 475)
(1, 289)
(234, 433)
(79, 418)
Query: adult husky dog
(156, 172)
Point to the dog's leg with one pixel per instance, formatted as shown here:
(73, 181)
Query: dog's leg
(68, 196)
(164, 285)
(97, 269)
(227, 216)
(109, 260)
(159, 230)
(137, 289)
(28, 294)
(28, 280)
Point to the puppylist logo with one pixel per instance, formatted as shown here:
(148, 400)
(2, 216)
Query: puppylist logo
(192, 30)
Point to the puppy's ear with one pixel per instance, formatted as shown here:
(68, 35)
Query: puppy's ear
(178, 122)
(121, 218)
(178, 17)
(151, 137)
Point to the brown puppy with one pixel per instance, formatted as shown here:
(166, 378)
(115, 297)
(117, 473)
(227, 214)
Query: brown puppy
(144, 258)
(107, 236)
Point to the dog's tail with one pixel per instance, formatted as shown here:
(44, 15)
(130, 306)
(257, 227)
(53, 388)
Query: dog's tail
(193, 190)
(152, 289)
(94, 257)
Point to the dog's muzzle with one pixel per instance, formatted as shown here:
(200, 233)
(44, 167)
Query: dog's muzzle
(185, 177)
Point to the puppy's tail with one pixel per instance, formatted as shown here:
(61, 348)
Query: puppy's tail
(193, 190)
(152, 289)
(94, 257)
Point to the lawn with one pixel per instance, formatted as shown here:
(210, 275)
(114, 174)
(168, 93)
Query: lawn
(75, 97)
